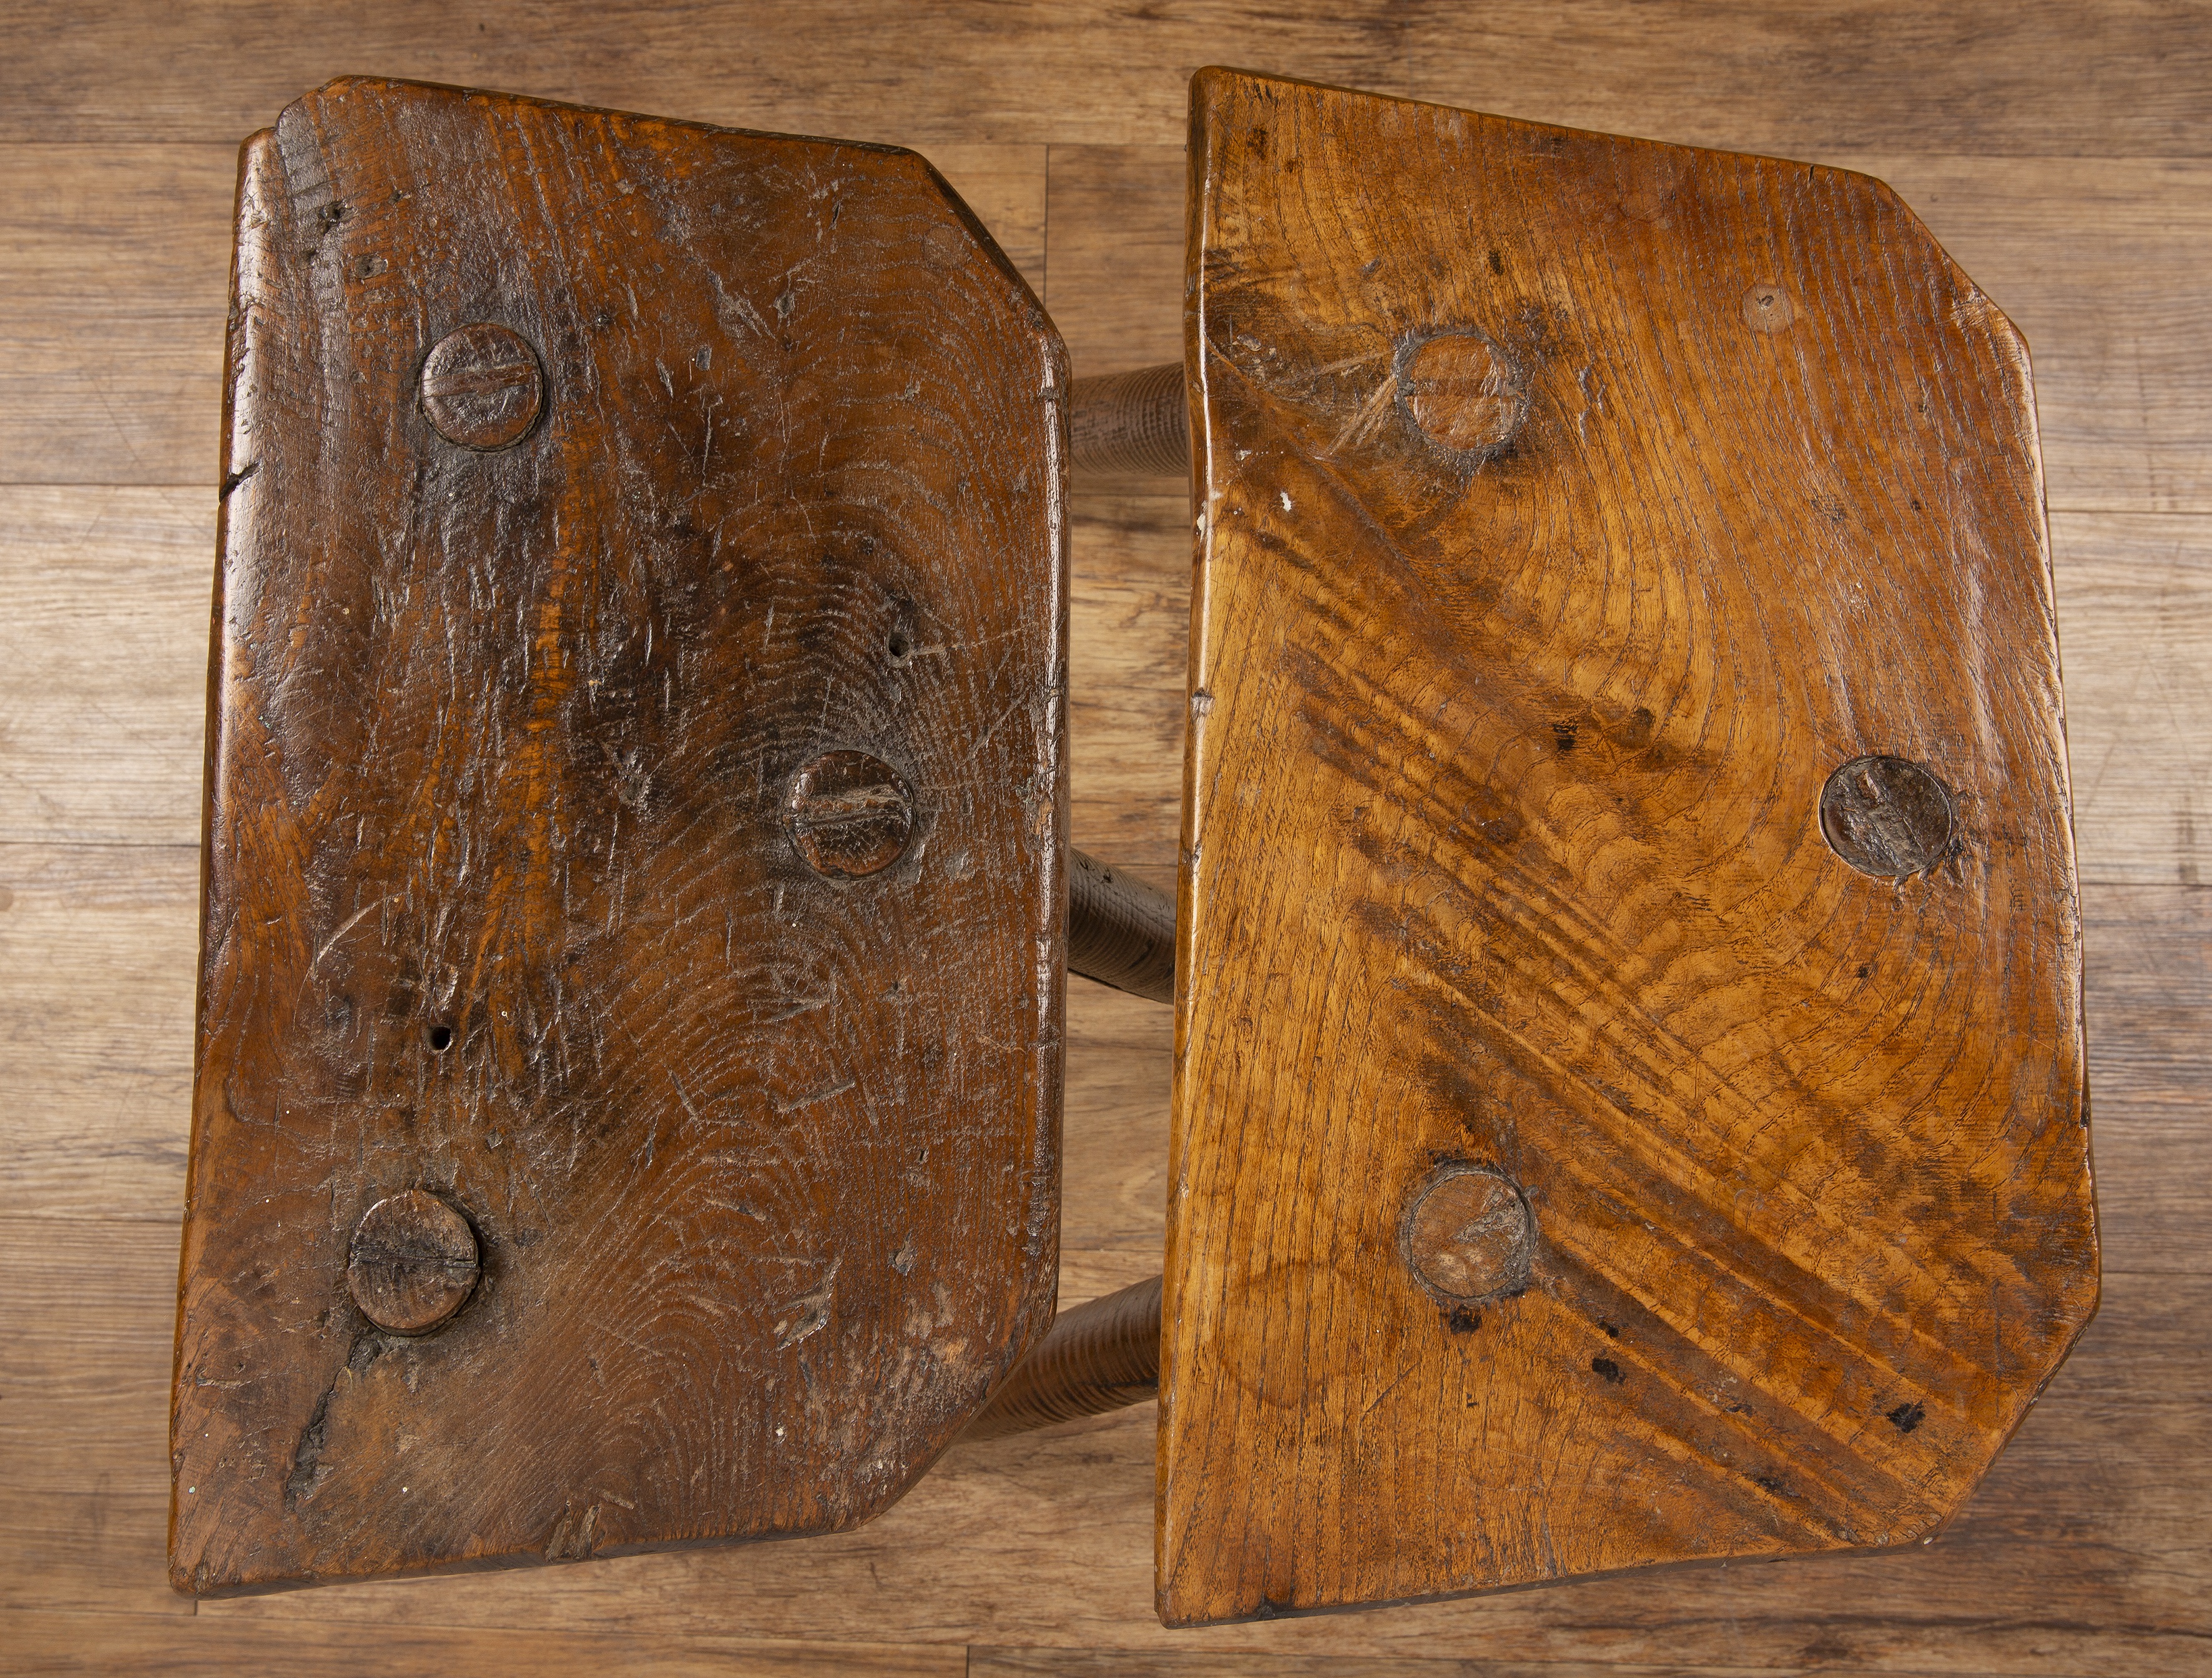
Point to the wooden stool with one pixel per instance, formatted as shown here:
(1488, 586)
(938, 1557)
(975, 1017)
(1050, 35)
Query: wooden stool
(628, 1077)
(1629, 1097)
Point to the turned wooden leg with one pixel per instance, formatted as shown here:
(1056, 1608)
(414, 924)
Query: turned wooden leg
(1130, 424)
(1121, 931)
(1103, 1355)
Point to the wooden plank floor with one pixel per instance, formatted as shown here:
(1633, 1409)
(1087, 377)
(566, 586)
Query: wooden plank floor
(2063, 152)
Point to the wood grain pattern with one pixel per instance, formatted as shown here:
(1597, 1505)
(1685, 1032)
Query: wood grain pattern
(2123, 416)
(105, 707)
(99, 946)
(1798, 73)
(1118, 295)
(636, 807)
(1984, 1598)
(2082, 1552)
(106, 711)
(44, 1642)
(2110, 307)
(1132, 424)
(2105, 325)
(1573, 509)
(2137, 620)
(1128, 656)
(113, 259)
(1067, 1664)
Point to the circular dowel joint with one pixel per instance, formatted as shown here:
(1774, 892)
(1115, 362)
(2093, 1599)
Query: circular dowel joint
(412, 1263)
(481, 387)
(849, 814)
(1886, 816)
(1468, 1233)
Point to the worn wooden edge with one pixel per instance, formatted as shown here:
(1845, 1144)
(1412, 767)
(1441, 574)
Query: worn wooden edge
(1196, 374)
(257, 155)
(954, 202)
(1208, 80)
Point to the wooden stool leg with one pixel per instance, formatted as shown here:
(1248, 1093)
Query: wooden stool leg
(1120, 930)
(1130, 424)
(1103, 1355)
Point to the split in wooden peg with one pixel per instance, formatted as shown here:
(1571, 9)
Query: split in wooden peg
(1629, 1098)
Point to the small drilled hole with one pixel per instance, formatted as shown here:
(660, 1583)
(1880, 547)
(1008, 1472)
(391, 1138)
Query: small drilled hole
(899, 646)
(441, 1038)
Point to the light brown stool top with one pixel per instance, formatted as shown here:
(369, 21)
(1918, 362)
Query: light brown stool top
(1629, 1100)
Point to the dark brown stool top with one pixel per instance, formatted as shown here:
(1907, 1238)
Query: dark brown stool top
(629, 1087)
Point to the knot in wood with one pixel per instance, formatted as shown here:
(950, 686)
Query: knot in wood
(412, 1263)
(1463, 392)
(1468, 1233)
(481, 386)
(849, 814)
(1885, 816)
